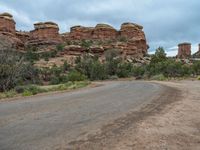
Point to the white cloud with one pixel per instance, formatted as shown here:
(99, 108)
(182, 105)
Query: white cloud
(166, 23)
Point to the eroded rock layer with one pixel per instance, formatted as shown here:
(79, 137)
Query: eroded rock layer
(130, 40)
(8, 33)
(45, 33)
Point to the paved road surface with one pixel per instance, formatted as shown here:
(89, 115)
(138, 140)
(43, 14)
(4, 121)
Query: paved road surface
(48, 121)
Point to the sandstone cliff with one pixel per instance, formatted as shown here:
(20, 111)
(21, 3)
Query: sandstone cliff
(130, 40)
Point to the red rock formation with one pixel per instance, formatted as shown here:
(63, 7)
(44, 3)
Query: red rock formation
(8, 32)
(137, 45)
(7, 24)
(81, 33)
(184, 50)
(23, 36)
(133, 40)
(45, 33)
(104, 32)
(74, 50)
(130, 40)
(131, 30)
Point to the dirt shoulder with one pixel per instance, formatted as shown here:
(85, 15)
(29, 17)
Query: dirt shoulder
(172, 121)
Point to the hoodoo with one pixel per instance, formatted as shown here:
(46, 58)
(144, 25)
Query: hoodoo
(184, 50)
(7, 24)
(104, 31)
(130, 40)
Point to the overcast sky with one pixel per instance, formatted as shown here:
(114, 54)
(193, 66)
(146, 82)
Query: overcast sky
(166, 22)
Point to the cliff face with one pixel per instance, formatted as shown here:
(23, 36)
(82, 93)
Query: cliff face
(129, 40)
(46, 33)
(8, 32)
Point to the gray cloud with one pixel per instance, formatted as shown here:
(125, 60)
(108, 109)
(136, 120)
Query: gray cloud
(166, 23)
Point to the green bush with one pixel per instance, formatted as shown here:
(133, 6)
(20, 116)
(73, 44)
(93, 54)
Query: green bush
(98, 71)
(196, 67)
(124, 70)
(31, 55)
(60, 47)
(29, 90)
(123, 39)
(8, 94)
(55, 80)
(76, 76)
(86, 43)
(11, 69)
(27, 93)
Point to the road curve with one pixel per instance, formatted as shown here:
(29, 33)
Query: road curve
(48, 121)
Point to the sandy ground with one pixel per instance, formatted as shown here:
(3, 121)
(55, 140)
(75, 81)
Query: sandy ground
(169, 123)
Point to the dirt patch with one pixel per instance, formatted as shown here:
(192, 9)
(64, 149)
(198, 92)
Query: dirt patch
(116, 132)
(176, 127)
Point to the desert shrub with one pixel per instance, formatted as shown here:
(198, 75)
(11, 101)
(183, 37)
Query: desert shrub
(124, 70)
(139, 71)
(31, 55)
(159, 56)
(29, 90)
(55, 80)
(196, 68)
(86, 43)
(8, 94)
(98, 71)
(66, 66)
(123, 39)
(91, 67)
(84, 64)
(11, 69)
(60, 47)
(112, 61)
(76, 76)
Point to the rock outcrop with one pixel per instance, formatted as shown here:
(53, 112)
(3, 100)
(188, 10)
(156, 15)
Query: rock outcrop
(130, 40)
(104, 32)
(184, 50)
(45, 33)
(7, 24)
(80, 33)
(8, 32)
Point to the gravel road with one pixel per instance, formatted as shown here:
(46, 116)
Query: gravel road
(53, 121)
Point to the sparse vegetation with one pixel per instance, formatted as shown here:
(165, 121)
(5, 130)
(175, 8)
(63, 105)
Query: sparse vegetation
(60, 47)
(86, 43)
(19, 76)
